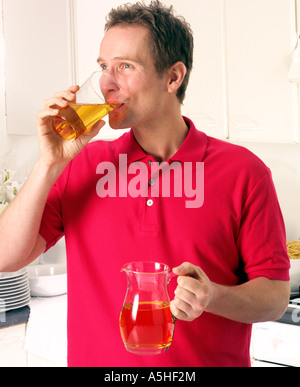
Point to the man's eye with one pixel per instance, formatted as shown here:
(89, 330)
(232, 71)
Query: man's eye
(125, 66)
(103, 67)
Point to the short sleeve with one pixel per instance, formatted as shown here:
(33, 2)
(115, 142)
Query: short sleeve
(52, 227)
(262, 238)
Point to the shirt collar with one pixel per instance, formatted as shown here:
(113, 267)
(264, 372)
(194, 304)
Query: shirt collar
(192, 149)
(194, 145)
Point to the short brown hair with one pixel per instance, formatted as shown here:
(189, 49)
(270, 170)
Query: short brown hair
(171, 37)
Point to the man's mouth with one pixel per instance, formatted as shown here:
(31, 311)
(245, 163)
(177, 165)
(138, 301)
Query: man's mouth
(119, 105)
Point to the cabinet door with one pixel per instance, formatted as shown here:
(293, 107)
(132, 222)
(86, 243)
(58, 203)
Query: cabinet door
(38, 59)
(263, 104)
(205, 101)
(277, 343)
(2, 77)
(12, 353)
(90, 21)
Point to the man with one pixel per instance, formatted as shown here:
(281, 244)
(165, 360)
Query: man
(233, 244)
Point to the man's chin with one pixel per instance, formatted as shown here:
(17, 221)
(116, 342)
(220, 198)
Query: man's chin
(117, 125)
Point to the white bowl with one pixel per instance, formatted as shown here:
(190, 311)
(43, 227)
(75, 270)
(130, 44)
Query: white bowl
(295, 275)
(47, 280)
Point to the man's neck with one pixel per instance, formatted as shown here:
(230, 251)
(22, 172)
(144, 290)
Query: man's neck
(162, 140)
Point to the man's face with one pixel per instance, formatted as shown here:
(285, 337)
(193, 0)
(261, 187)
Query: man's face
(135, 84)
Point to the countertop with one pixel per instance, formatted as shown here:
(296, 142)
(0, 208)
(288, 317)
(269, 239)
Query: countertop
(21, 315)
(14, 317)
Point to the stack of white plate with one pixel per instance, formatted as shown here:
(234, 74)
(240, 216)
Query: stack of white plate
(14, 290)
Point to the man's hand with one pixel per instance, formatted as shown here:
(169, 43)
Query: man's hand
(53, 149)
(193, 293)
(257, 300)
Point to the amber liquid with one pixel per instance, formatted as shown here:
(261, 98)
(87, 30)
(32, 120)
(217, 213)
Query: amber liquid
(76, 119)
(147, 330)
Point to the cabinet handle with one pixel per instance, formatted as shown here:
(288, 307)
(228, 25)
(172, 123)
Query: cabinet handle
(294, 73)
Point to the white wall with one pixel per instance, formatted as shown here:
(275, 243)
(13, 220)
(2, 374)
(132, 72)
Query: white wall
(20, 152)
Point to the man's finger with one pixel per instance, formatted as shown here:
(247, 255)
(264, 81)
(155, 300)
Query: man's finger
(188, 269)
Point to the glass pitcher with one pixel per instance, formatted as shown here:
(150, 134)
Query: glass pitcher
(146, 321)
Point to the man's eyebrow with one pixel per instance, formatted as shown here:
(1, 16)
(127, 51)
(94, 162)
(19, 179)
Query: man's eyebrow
(125, 58)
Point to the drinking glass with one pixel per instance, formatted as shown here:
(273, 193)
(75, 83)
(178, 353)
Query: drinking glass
(90, 107)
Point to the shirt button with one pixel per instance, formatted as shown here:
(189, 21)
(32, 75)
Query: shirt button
(152, 182)
(150, 203)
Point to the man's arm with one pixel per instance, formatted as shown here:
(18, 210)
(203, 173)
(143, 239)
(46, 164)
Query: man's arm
(258, 300)
(20, 242)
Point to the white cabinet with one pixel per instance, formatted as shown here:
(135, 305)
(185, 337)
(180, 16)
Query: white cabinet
(239, 87)
(260, 37)
(38, 57)
(277, 343)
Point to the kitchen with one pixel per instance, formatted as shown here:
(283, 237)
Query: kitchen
(244, 88)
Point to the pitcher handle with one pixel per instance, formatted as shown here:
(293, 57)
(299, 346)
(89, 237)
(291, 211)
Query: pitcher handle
(171, 275)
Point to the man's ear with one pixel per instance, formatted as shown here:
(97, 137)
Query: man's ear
(177, 73)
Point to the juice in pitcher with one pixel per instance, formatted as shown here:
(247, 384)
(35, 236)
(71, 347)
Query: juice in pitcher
(148, 328)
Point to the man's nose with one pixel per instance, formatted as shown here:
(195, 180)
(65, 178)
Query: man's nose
(108, 83)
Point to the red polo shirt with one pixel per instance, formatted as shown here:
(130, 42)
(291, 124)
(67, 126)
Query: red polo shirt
(236, 235)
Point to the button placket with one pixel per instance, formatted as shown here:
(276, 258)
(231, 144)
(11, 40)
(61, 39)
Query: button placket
(149, 221)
